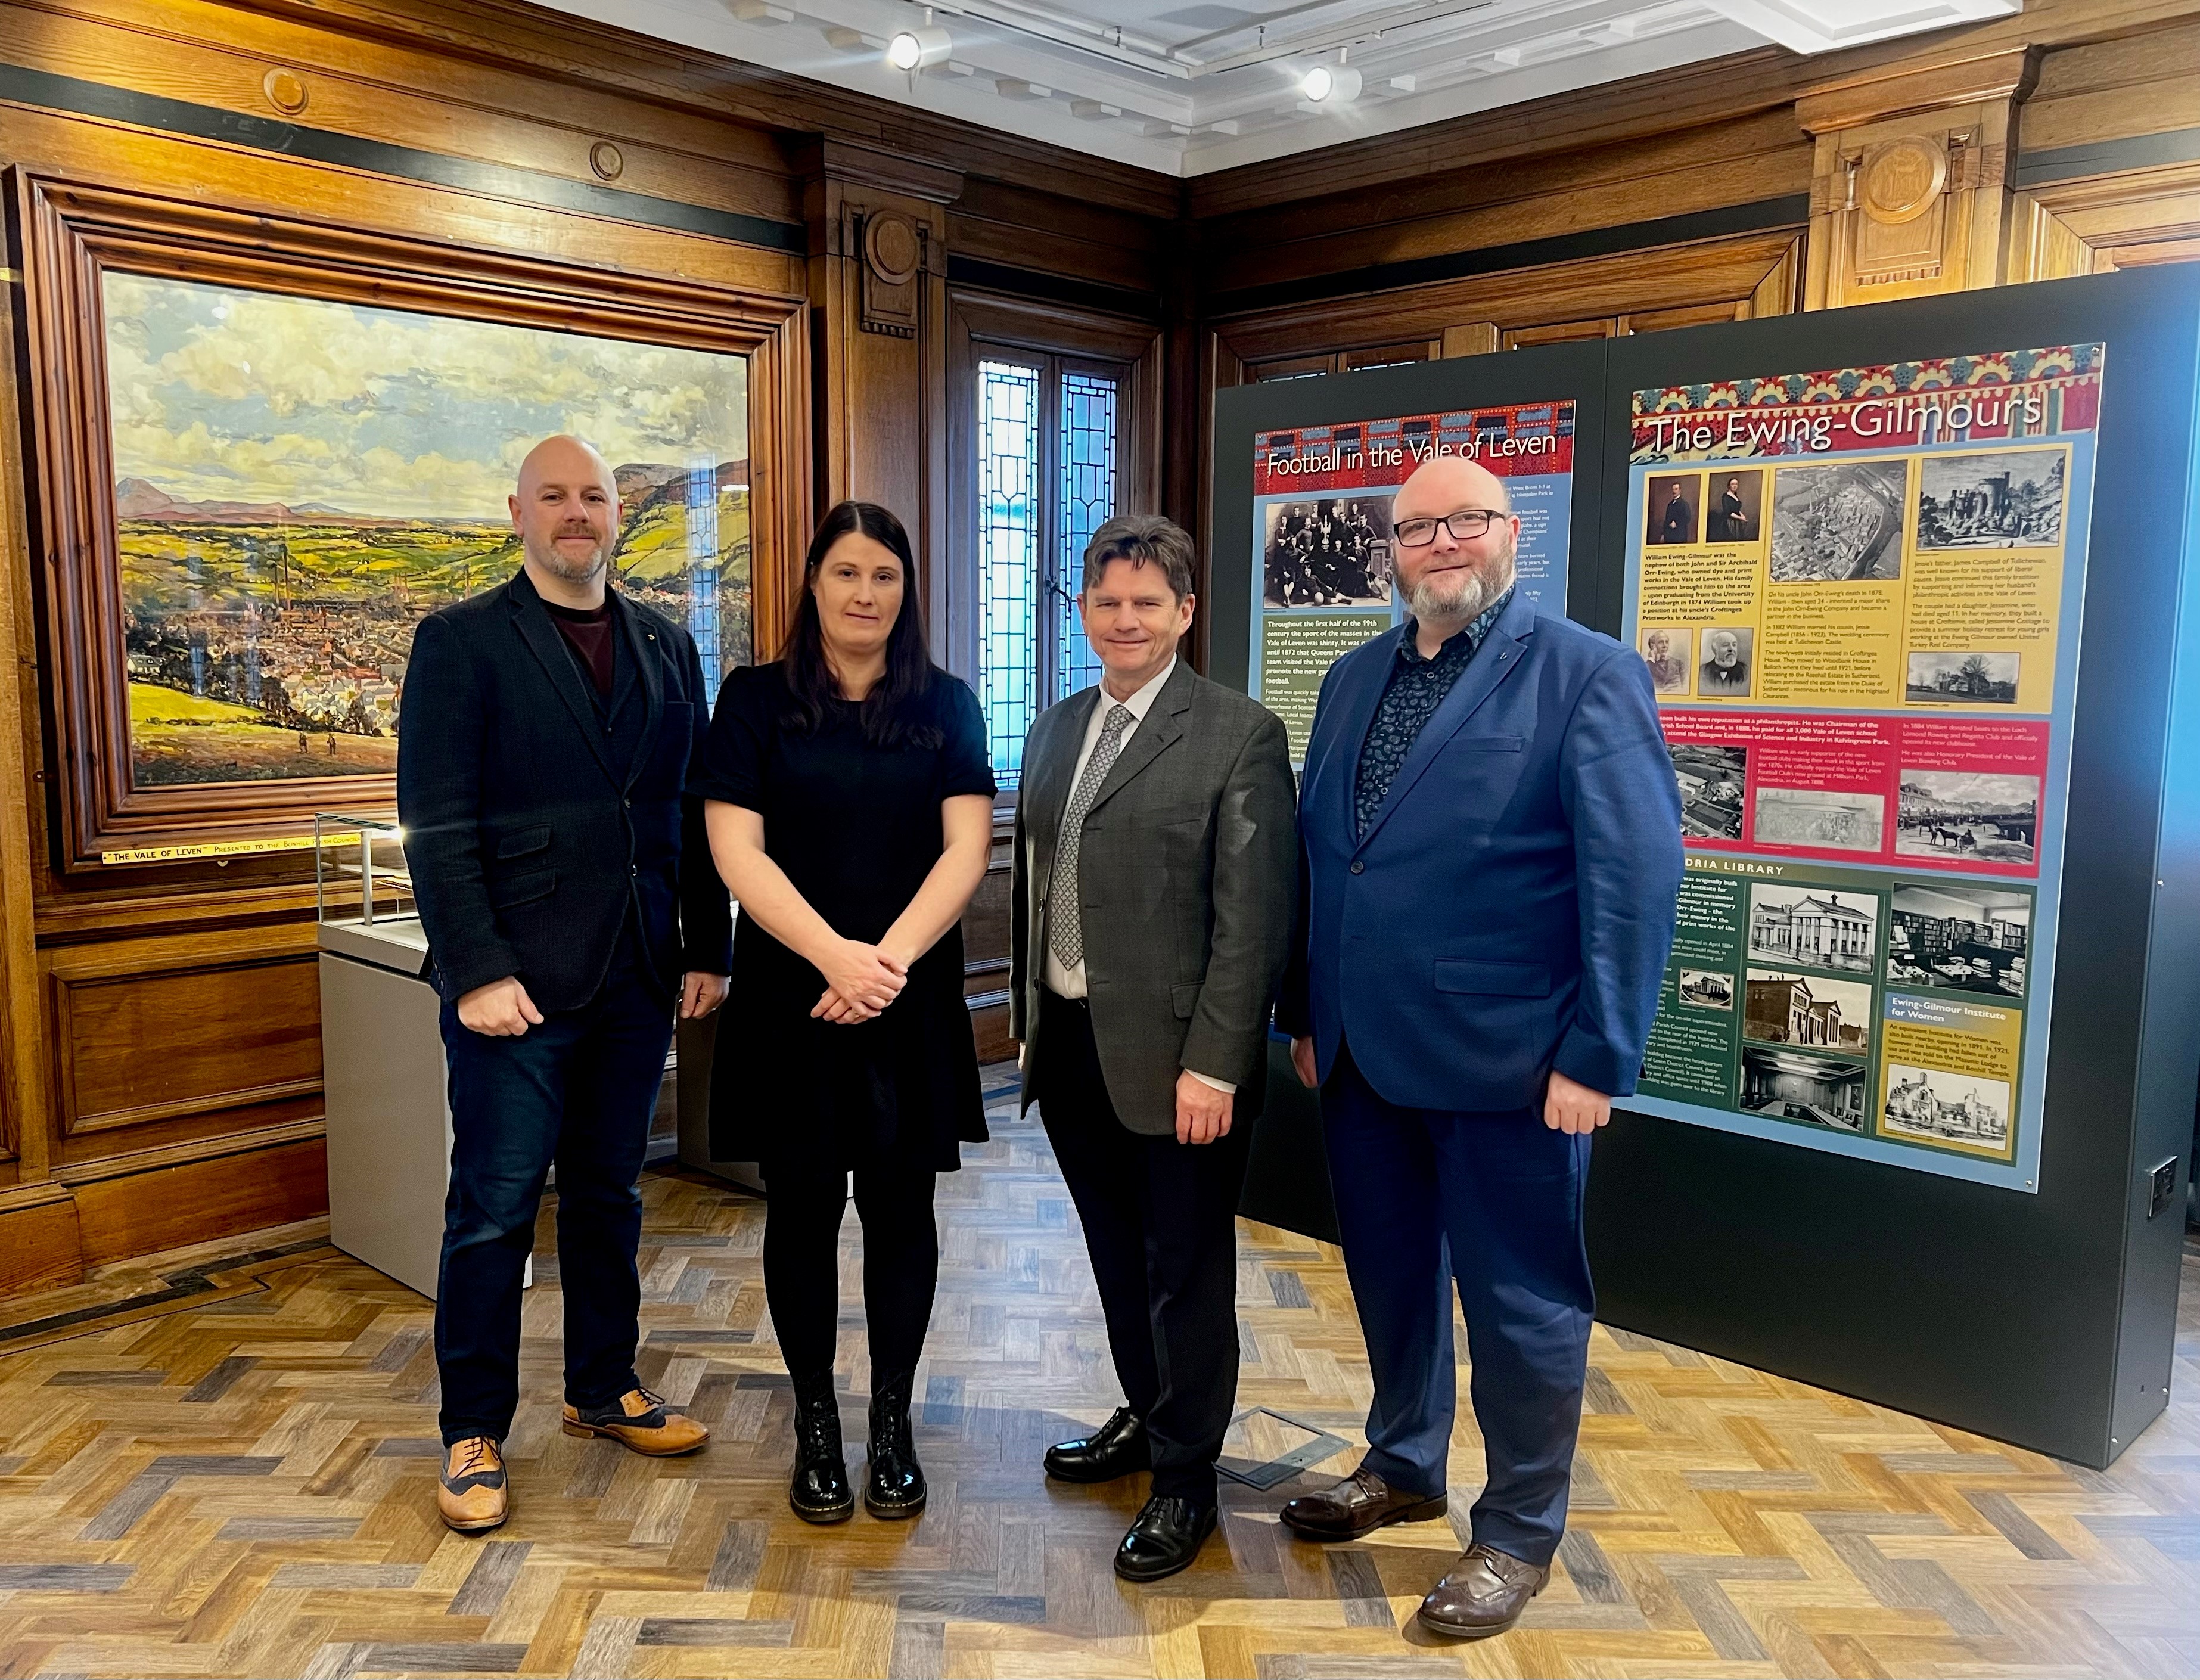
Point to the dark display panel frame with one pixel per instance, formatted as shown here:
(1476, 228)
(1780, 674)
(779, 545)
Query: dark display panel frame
(2046, 1319)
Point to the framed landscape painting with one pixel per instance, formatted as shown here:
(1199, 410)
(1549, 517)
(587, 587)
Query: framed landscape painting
(266, 452)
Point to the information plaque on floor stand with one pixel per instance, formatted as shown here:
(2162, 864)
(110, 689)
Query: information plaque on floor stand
(1916, 590)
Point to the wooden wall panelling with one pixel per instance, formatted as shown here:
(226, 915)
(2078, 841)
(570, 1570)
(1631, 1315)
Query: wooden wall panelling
(72, 231)
(168, 1205)
(2117, 220)
(2146, 82)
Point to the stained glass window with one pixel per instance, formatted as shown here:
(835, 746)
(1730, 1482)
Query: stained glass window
(1009, 512)
(1088, 501)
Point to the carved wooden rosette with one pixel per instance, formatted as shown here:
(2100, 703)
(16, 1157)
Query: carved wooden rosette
(74, 230)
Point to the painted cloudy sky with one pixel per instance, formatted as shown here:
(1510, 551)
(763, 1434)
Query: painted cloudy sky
(224, 395)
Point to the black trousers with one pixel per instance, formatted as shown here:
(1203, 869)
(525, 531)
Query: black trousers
(579, 1089)
(1159, 1222)
(802, 1264)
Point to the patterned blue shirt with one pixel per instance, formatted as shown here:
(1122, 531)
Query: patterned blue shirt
(1416, 688)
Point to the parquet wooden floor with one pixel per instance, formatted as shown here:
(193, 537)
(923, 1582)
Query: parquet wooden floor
(237, 1479)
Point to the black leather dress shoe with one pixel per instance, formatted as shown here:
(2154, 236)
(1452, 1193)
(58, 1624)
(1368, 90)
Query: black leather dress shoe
(1360, 1504)
(1117, 1447)
(1164, 1538)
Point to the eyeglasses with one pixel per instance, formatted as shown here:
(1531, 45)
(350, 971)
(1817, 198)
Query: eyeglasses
(1465, 526)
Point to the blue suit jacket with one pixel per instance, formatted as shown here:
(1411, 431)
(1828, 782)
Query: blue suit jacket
(1511, 908)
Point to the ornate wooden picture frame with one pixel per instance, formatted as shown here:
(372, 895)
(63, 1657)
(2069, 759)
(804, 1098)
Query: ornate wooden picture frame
(75, 233)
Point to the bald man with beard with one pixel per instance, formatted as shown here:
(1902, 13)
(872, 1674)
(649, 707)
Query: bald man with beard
(1489, 836)
(567, 893)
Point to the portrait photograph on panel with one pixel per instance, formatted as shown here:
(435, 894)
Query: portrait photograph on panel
(1838, 523)
(1961, 679)
(1959, 938)
(1817, 926)
(1669, 650)
(1712, 777)
(1725, 671)
(1815, 1090)
(1966, 814)
(2001, 498)
(1734, 506)
(1332, 551)
(1674, 509)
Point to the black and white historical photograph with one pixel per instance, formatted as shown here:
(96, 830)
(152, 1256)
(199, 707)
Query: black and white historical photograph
(1959, 938)
(1816, 1089)
(1945, 1108)
(1817, 926)
(1336, 552)
(1961, 679)
(1673, 509)
(1781, 1006)
(1706, 988)
(1968, 815)
(1713, 776)
(1837, 820)
(1724, 672)
(1838, 523)
(1734, 506)
(2006, 499)
(1669, 650)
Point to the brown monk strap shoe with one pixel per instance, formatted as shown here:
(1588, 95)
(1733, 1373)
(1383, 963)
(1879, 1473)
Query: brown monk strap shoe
(1360, 1504)
(642, 1421)
(475, 1494)
(1483, 1595)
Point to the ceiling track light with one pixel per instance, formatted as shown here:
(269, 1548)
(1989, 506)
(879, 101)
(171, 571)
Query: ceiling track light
(914, 50)
(1331, 85)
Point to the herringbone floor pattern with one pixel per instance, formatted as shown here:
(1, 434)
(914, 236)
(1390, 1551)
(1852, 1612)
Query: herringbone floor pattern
(240, 1482)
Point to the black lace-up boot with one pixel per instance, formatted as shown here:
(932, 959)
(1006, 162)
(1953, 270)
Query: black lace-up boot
(895, 1487)
(819, 1492)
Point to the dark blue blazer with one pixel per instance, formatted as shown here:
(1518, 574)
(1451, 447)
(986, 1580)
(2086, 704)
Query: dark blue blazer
(1511, 908)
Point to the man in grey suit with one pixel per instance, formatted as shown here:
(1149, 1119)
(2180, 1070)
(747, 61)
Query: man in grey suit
(1155, 882)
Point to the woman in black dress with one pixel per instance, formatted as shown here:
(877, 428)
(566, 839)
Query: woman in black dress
(850, 798)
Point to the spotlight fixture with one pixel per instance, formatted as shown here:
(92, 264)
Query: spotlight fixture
(1331, 85)
(914, 50)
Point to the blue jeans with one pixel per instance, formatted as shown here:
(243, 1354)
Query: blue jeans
(580, 1090)
(1492, 1201)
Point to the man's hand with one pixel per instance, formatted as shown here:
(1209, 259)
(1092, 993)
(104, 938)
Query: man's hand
(500, 1009)
(699, 994)
(1572, 1106)
(1203, 1113)
(1303, 1063)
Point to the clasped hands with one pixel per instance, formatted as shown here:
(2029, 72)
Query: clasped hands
(860, 981)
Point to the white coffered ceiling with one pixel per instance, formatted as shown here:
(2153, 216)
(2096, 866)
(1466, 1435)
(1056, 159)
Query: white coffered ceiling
(1189, 87)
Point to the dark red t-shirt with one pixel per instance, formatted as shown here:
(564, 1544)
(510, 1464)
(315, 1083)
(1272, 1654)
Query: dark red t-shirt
(592, 637)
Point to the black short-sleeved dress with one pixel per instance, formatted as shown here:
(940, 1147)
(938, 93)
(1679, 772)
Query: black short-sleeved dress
(857, 828)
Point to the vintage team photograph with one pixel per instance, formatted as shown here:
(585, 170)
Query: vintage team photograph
(1838, 523)
(1734, 507)
(1781, 1006)
(1961, 939)
(1816, 1090)
(1817, 926)
(1335, 552)
(1839, 821)
(1972, 816)
(1944, 1108)
(1706, 988)
(2006, 499)
(1674, 510)
(1712, 775)
(1961, 679)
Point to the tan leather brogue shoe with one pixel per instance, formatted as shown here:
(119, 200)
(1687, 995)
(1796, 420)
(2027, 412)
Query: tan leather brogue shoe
(641, 1421)
(1483, 1595)
(475, 1494)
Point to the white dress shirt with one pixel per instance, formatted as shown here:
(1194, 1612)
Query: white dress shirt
(1069, 982)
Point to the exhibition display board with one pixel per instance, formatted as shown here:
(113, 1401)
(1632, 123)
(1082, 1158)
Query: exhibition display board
(1911, 585)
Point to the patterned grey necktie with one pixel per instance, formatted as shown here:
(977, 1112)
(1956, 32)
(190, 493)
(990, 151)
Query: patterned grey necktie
(1065, 921)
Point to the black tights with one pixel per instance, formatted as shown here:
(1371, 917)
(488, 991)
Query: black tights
(801, 1265)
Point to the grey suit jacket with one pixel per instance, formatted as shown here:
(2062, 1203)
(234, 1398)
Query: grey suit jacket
(1189, 875)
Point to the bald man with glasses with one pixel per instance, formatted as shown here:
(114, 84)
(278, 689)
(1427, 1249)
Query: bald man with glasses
(1490, 841)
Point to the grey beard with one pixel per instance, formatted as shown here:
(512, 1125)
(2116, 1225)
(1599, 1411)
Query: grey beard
(558, 566)
(1460, 595)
